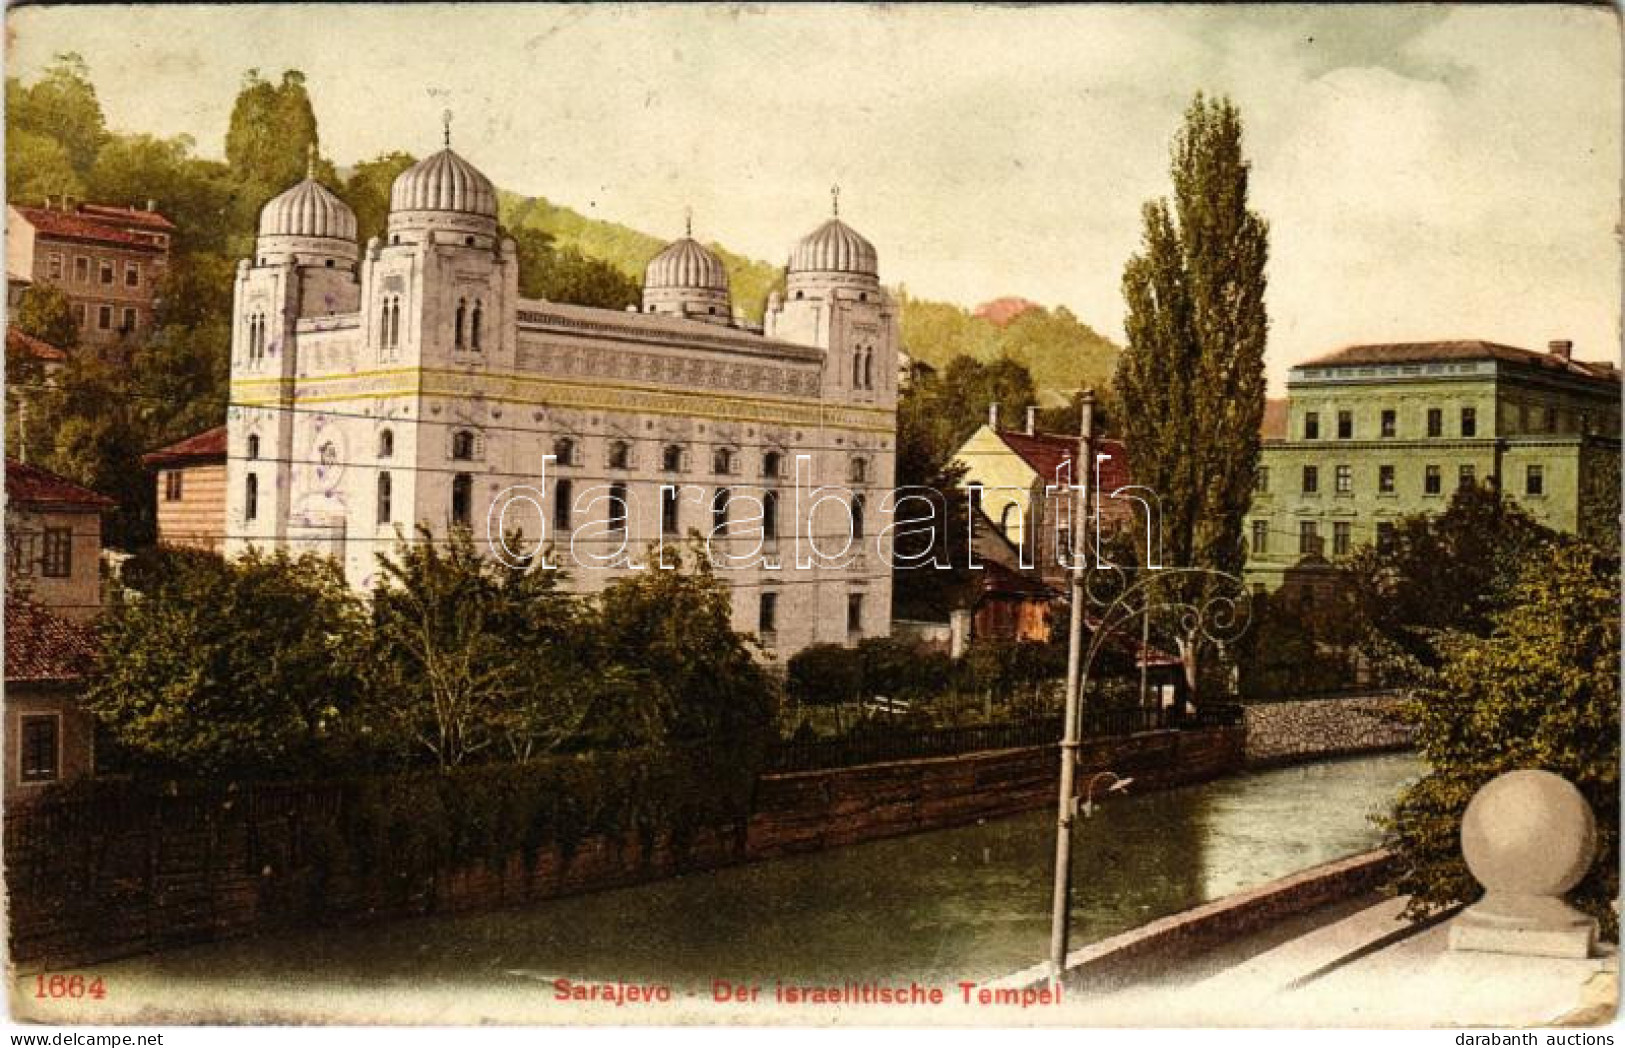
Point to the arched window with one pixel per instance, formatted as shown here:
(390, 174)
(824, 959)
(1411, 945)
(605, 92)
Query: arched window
(671, 458)
(772, 464)
(564, 450)
(857, 472)
(462, 500)
(457, 324)
(869, 368)
(384, 493)
(857, 368)
(253, 446)
(620, 454)
(858, 506)
(617, 508)
(383, 325)
(462, 445)
(474, 333)
(251, 497)
(395, 322)
(770, 515)
(386, 444)
(561, 506)
(722, 461)
(719, 511)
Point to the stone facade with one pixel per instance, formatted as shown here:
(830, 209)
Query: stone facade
(1306, 729)
(1375, 433)
(407, 386)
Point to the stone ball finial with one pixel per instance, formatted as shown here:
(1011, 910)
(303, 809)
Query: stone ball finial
(1529, 833)
(1528, 837)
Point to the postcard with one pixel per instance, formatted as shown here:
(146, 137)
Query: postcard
(812, 515)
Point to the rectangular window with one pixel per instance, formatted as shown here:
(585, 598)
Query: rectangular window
(1551, 419)
(617, 508)
(386, 498)
(104, 317)
(1435, 422)
(1344, 480)
(1263, 484)
(79, 315)
(561, 507)
(1345, 425)
(81, 269)
(670, 520)
(132, 274)
(1342, 538)
(462, 500)
(767, 614)
(56, 561)
(1311, 425)
(1308, 538)
(20, 560)
(106, 271)
(1534, 480)
(1390, 422)
(172, 485)
(54, 267)
(1385, 536)
(1466, 475)
(251, 497)
(1261, 536)
(1385, 480)
(40, 742)
(1432, 481)
(854, 613)
(1469, 422)
(1311, 480)
(129, 320)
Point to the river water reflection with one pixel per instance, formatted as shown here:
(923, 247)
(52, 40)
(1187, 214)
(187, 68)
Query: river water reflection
(967, 903)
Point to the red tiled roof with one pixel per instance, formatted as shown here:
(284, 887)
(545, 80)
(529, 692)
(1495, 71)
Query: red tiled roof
(128, 215)
(199, 447)
(74, 226)
(30, 485)
(1273, 426)
(19, 341)
(1050, 456)
(1461, 349)
(45, 648)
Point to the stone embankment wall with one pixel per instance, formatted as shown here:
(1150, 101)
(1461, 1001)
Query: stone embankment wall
(1308, 729)
(178, 873)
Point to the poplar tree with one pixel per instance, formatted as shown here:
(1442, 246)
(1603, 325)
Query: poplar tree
(1191, 382)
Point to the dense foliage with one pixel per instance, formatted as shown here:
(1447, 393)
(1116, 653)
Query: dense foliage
(1192, 379)
(1536, 687)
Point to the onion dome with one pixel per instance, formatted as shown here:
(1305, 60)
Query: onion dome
(309, 209)
(835, 247)
(686, 263)
(444, 182)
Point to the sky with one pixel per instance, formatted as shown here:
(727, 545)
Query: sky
(1427, 171)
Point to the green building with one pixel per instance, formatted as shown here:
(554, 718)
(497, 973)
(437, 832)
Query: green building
(1375, 433)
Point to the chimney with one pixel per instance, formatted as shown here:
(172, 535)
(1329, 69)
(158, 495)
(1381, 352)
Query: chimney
(993, 415)
(1032, 419)
(1563, 349)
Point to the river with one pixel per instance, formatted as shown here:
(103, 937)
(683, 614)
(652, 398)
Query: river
(964, 903)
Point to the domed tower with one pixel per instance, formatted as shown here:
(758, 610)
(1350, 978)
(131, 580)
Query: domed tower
(833, 299)
(687, 279)
(442, 284)
(307, 224)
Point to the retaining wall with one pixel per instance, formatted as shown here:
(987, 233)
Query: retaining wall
(1307, 729)
(183, 873)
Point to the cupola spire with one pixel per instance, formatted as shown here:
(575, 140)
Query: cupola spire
(445, 128)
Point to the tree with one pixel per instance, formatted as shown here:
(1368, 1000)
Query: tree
(272, 132)
(38, 167)
(472, 658)
(1192, 379)
(367, 191)
(825, 676)
(63, 106)
(1441, 572)
(1538, 689)
(566, 275)
(236, 669)
(45, 312)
